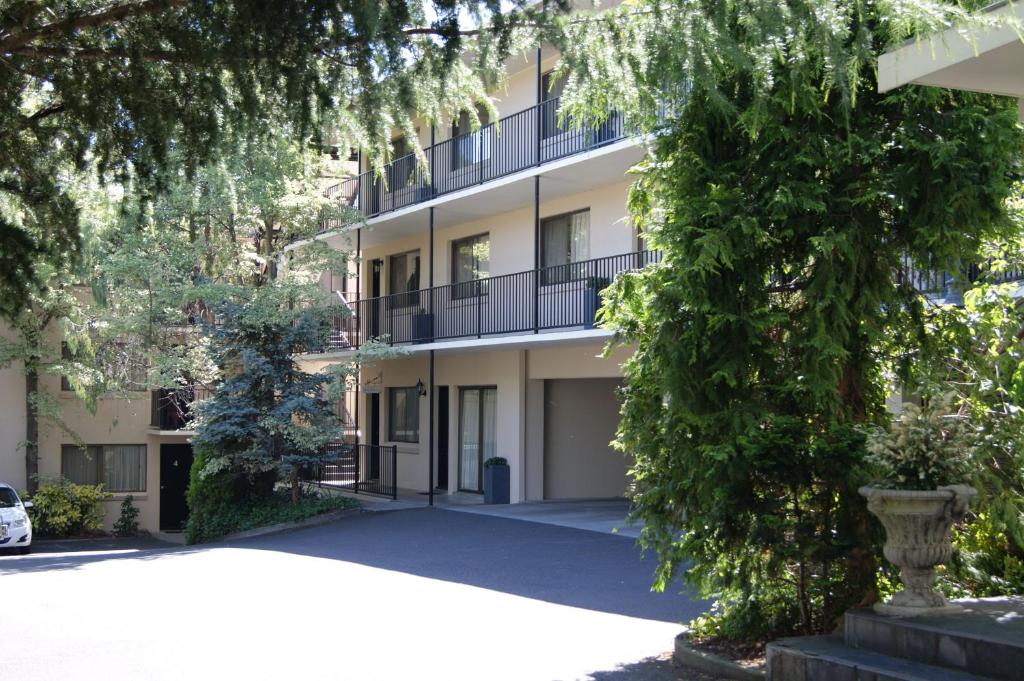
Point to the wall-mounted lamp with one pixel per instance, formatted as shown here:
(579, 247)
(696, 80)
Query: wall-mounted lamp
(421, 390)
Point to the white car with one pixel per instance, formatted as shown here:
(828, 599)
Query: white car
(15, 526)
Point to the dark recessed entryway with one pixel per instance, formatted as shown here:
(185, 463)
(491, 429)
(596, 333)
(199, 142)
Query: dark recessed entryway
(175, 464)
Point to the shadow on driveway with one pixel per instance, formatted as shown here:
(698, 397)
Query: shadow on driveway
(566, 566)
(70, 554)
(579, 568)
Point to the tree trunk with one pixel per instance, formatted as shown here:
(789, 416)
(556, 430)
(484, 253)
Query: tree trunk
(31, 426)
(295, 483)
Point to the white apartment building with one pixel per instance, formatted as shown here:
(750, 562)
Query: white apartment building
(135, 443)
(485, 268)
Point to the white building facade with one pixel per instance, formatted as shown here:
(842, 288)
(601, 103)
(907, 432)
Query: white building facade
(485, 269)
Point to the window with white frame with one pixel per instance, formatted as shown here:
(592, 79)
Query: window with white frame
(404, 278)
(469, 147)
(471, 262)
(551, 91)
(119, 468)
(403, 415)
(565, 240)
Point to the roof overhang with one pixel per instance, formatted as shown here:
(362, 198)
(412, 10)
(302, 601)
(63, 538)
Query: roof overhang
(985, 58)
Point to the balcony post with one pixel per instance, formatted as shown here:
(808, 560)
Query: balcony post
(430, 163)
(430, 464)
(430, 275)
(356, 458)
(540, 106)
(359, 271)
(357, 198)
(536, 252)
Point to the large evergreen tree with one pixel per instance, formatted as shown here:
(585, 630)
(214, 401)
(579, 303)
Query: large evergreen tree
(172, 98)
(787, 197)
(129, 85)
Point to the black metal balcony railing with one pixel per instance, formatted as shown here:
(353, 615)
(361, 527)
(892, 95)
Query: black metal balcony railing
(171, 408)
(950, 284)
(371, 469)
(522, 140)
(563, 296)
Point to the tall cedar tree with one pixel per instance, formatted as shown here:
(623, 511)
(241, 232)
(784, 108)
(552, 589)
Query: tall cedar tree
(123, 83)
(787, 197)
(136, 91)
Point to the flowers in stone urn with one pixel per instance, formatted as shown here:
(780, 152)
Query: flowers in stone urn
(924, 460)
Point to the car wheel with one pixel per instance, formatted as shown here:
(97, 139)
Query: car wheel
(25, 550)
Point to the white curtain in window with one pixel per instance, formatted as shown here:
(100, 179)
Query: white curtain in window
(80, 466)
(405, 272)
(403, 415)
(125, 468)
(469, 454)
(556, 242)
(472, 258)
(579, 236)
(489, 426)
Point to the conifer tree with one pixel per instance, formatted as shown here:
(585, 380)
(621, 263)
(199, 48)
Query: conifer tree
(792, 204)
(127, 86)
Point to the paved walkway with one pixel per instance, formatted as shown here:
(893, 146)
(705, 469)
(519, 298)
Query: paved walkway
(597, 515)
(422, 593)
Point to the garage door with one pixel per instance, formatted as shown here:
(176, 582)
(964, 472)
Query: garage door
(580, 416)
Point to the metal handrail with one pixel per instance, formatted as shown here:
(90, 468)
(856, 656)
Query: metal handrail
(521, 140)
(559, 296)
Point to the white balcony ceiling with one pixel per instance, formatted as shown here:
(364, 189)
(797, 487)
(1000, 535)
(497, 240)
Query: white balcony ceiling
(960, 58)
(571, 175)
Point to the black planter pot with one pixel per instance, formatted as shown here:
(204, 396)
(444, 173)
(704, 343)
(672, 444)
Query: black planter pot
(496, 484)
(591, 304)
(423, 327)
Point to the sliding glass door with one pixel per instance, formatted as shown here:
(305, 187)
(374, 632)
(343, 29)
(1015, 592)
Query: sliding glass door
(478, 417)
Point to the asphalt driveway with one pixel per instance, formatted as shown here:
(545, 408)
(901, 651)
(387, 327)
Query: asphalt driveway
(415, 594)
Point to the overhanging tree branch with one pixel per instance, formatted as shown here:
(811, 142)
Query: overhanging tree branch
(47, 52)
(108, 16)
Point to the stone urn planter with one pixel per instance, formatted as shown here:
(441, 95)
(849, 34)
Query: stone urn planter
(917, 525)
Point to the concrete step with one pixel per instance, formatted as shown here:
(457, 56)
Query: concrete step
(987, 637)
(827, 658)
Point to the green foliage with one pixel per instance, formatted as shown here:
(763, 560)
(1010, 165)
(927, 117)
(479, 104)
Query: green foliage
(925, 447)
(979, 353)
(209, 496)
(496, 461)
(63, 509)
(127, 524)
(784, 193)
(987, 561)
(266, 414)
(126, 88)
(208, 523)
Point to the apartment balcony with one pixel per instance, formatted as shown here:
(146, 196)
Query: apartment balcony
(516, 143)
(171, 408)
(949, 286)
(560, 297)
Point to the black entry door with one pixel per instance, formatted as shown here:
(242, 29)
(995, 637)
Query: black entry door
(374, 409)
(175, 464)
(442, 437)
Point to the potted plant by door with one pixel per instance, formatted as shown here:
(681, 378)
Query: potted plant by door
(924, 461)
(423, 326)
(496, 481)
